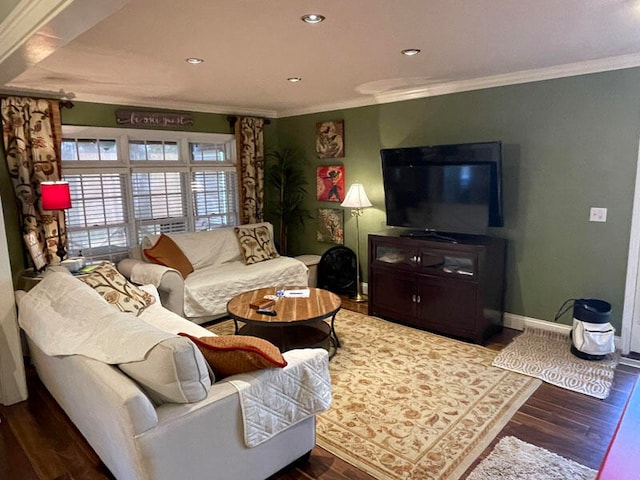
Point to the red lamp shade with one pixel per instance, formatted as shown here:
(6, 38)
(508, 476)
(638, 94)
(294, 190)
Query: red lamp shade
(55, 195)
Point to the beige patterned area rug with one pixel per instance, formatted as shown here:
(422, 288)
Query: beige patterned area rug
(408, 404)
(513, 459)
(547, 355)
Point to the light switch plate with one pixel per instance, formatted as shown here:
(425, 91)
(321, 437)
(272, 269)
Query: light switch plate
(598, 214)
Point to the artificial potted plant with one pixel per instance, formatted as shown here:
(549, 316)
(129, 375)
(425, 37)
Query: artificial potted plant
(284, 173)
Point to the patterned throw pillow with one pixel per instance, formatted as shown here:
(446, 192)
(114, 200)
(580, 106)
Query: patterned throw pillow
(256, 244)
(117, 290)
(231, 354)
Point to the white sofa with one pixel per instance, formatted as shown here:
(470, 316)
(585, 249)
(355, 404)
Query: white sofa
(138, 438)
(219, 272)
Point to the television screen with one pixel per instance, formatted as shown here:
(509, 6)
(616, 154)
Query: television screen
(446, 188)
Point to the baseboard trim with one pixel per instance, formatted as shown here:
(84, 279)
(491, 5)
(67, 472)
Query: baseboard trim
(519, 322)
(630, 362)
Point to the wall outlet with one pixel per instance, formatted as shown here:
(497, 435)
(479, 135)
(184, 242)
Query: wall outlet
(597, 214)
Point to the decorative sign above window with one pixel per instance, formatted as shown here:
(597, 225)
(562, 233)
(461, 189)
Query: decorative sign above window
(144, 119)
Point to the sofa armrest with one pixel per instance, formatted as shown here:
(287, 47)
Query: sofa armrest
(168, 281)
(104, 404)
(216, 425)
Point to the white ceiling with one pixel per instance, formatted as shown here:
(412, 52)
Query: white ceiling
(133, 51)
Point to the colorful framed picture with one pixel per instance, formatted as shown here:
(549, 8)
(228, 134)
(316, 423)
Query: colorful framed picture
(330, 139)
(330, 183)
(331, 225)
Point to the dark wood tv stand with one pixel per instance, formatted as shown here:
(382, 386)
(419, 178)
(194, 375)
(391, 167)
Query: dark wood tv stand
(452, 288)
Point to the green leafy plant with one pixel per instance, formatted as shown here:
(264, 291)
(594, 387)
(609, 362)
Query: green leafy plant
(284, 173)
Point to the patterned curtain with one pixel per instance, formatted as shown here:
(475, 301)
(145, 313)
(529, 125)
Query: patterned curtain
(250, 147)
(32, 133)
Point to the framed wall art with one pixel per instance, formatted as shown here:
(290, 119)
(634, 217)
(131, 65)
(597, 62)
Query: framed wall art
(330, 139)
(331, 225)
(330, 183)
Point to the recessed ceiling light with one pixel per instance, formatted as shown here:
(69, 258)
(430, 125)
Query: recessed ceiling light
(410, 52)
(312, 18)
(194, 60)
(294, 79)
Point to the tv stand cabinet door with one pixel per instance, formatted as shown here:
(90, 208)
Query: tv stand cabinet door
(393, 294)
(393, 253)
(449, 306)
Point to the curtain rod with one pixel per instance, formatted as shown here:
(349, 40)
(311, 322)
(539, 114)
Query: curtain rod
(65, 98)
(63, 103)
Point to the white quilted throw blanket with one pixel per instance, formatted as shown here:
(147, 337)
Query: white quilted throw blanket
(148, 273)
(284, 396)
(64, 316)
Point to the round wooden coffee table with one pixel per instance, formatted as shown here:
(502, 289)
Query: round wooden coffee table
(299, 322)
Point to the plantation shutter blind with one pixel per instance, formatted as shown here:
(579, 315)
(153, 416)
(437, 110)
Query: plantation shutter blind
(159, 205)
(97, 222)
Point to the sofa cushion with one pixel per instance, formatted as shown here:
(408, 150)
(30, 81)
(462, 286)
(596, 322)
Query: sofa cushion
(173, 371)
(117, 290)
(231, 354)
(166, 252)
(256, 243)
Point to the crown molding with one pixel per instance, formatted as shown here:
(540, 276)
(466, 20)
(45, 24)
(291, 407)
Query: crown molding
(445, 88)
(524, 76)
(327, 107)
(171, 105)
(27, 17)
(35, 29)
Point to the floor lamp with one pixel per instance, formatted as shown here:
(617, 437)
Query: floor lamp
(357, 200)
(56, 196)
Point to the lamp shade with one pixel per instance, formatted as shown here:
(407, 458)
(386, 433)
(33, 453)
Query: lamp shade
(55, 195)
(356, 197)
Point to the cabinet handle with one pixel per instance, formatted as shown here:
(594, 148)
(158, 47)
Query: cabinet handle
(418, 299)
(413, 298)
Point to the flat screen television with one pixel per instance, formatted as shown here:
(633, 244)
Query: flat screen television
(444, 188)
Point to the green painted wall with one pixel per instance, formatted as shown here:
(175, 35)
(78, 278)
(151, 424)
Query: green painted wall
(569, 144)
(104, 115)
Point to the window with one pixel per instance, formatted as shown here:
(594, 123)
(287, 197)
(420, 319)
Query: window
(214, 198)
(126, 184)
(97, 221)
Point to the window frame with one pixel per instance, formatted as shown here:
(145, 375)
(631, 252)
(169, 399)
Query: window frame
(124, 165)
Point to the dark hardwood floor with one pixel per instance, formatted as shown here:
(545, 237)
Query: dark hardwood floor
(37, 441)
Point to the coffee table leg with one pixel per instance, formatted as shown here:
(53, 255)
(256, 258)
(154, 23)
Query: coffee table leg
(333, 331)
(283, 340)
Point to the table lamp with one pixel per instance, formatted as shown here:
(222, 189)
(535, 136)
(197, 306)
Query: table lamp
(357, 200)
(56, 196)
